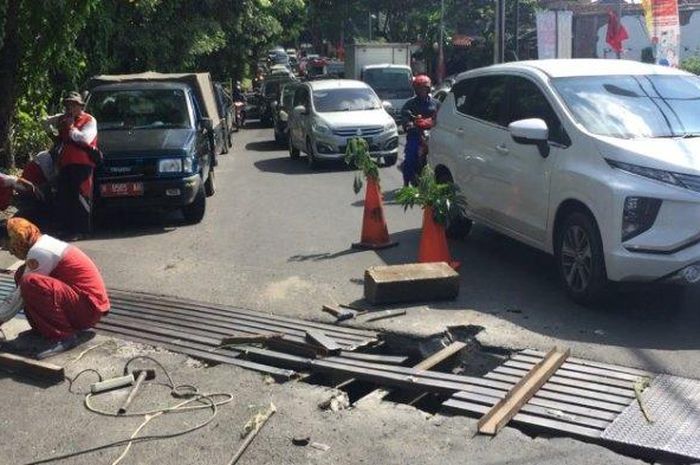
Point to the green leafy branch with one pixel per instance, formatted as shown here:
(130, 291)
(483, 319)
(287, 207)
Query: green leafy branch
(357, 156)
(443, 198)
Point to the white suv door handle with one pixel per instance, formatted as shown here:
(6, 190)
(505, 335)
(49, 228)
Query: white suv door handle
(460, 130)
(502, 149)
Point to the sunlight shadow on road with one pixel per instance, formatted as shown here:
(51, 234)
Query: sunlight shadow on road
(264, 146)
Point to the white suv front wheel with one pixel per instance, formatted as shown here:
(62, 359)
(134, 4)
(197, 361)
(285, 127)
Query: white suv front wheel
(578, 251)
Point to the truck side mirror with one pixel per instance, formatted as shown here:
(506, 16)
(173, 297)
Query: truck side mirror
(301, 109)
(206, 123)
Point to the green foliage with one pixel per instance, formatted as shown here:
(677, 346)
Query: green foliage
(443, 198)
(691, 64)
(357, 156)
(29, 136)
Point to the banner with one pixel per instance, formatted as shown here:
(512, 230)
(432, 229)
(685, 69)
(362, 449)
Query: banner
(664, 29)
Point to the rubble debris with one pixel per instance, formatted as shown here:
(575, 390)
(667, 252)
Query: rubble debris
(338, 401)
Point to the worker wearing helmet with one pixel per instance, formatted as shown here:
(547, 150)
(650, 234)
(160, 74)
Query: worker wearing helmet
(422, 105)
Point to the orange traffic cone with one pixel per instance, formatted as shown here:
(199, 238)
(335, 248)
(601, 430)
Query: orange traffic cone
(433, 242)
(374, 231)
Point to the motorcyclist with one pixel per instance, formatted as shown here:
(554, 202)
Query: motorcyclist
(237, 94)
(424, 106)
(239, 101)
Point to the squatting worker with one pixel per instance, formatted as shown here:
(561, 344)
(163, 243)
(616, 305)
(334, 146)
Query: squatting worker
(62, 289)
(421, 105)
(77, 139)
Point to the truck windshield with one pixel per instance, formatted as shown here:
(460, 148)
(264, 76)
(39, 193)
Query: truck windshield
(139, 109)
(329, 100)
(389, 82)
(630, 107)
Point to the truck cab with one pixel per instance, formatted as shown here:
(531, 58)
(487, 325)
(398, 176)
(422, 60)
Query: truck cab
(157, 144)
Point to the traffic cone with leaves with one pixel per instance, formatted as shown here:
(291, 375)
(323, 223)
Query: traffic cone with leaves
(436, 200)
(433, 242)
(375, 234)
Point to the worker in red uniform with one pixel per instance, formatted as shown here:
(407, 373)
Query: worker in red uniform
(62, 289)
(77, 139)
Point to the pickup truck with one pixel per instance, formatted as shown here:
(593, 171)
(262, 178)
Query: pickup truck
(158, 134)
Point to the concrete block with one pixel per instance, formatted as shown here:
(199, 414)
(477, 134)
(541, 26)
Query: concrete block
(413, 282)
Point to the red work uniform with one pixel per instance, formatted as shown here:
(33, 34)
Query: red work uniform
(62, 289)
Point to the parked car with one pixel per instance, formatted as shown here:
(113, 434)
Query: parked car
(281, 111)
(156, 134)
(597, 163)
(327, 113)
(224, 104)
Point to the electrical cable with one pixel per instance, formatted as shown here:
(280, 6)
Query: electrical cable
(184, 391)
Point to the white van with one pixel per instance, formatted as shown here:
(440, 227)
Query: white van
(594, 161)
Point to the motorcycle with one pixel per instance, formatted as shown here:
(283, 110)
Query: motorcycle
(240, 114)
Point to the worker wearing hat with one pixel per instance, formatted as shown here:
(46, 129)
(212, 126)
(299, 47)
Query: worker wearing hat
(422, 105)
(77, 155)
(62, 289)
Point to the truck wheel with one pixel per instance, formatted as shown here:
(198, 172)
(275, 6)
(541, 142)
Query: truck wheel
(210, 184)
(578, 250)
(194, 212)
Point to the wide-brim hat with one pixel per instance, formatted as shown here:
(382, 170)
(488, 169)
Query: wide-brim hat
(74, 97)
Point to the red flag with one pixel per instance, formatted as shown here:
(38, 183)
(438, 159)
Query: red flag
(616, 32)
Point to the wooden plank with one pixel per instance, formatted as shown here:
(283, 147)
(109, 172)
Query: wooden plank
(547, 403)
(317, 337)
(196, 308)
(426, 364)
(566, 382)
(508, 407)
(31, 368)
(580, 361)
(525, 419)
(410, 282)
(520, 368)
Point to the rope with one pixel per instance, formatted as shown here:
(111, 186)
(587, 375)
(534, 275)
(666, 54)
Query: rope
(189, 393)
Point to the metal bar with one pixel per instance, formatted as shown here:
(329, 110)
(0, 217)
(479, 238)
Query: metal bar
(527, 419)
(566, 382)
(211, 327)
(375, 358)
(577, 368)
(320, 339)
(179, 302)
(550, 404)
(506, 408)
(564, 373)
(299, 325)
(196, 351)
(545, 412)
(580, 361)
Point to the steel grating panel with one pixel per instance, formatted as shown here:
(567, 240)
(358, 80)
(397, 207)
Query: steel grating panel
(673, 404)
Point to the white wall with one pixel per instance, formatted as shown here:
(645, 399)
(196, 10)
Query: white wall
(638, 38)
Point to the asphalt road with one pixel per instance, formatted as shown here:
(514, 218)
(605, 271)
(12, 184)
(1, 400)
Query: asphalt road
(276, 238)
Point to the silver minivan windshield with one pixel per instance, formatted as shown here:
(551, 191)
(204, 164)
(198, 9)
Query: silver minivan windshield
(632, 107)
(355, 99)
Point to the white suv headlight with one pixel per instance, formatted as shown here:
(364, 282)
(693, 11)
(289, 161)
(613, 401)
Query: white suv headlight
(390, 127)
(319, 127)
(170, 165)
(652, 173)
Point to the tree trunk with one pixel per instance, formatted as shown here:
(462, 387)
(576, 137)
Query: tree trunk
(10, 56)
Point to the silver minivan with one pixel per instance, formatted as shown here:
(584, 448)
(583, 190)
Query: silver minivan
(326, 114)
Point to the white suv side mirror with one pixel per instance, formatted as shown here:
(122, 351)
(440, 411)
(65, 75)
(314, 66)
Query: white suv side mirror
(387, 106)
(531, 131)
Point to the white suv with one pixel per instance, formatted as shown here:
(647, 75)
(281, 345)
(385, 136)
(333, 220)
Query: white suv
(594, 161)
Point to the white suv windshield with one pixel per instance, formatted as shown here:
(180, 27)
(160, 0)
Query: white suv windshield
(632, 107)
(329, 100)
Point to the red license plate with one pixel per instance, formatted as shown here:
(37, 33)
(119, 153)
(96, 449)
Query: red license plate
(121, 189)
